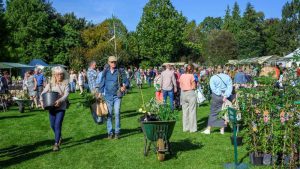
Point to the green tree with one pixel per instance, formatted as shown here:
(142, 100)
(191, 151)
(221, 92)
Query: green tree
(28, 22)
(160, 31)
(220, 47)
(250, 37)
(100, 43)
(272, 37)
(133, 48)
(3, 34)
(290, 22)
(211, 23)
(193, 40)
(227, 19)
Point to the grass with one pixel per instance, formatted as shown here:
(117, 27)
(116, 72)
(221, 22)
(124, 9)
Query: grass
(26, 141)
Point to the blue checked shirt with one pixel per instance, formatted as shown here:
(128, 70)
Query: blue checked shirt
(92, 77)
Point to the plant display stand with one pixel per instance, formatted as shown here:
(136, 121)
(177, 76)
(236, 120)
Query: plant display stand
(157, 134)
(233, 120)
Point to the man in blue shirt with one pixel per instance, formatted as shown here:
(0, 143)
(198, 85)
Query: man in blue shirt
(240, 77)
(92, 83)
(113, 84)
(221, 87)
(92, 76)
(40, 79)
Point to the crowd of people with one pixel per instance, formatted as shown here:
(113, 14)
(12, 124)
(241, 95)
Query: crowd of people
(179, 84)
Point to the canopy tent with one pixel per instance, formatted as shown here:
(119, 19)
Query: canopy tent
(255, 60)
(4, 66)
(9, 65)
(287, 60)
(38, 62)
(175, 64)
(233, 62)
(267, 59)
(16, 65)
(291, 55)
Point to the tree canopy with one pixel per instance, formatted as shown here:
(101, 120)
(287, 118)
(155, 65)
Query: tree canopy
(33, 29)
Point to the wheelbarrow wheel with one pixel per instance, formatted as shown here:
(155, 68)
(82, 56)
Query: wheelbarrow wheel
(160, 146)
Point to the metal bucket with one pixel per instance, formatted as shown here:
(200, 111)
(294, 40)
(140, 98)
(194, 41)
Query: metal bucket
(49, 99)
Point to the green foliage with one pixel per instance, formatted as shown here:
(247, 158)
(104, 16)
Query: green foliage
(270, 117)
(37, 31)
(220, 47)
(165, 113)
(160, 31)
(3, 33)
(250, 39)
(99, 43)
(211, 23)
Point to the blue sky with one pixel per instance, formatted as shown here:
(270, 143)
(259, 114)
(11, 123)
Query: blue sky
(130, 11)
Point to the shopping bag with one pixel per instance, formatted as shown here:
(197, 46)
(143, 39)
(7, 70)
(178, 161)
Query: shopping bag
(97, 119)
(200, 96)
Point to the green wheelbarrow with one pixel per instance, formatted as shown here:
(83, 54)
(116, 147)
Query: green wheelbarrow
(157, 134)
(22, 103)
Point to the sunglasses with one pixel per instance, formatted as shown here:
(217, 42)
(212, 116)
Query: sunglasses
(113, 62)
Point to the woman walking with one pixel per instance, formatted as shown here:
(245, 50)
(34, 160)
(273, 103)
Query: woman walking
(188, 100)
(81, 81)
(59, 83)
(31, 85)
(73, 80)
(158, 92)
(221, 87)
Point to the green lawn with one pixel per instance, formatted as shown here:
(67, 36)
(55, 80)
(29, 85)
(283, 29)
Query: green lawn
(26, 141)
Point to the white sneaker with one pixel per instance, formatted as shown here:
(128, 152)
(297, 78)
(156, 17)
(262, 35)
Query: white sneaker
(222, 131)
(206, 131)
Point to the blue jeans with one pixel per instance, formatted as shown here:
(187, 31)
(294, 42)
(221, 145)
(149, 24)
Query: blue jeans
(72, 86)
(113, 105)
(149, 80)
(169, 93)
(56, 118)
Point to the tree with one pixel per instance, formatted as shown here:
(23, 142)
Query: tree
(193, 40)
(100, 41)
(133, 48)
(227, 19)
(272, 37)
(28, 21)
(220, 47)
(211, 23)
(250, 37)
(160, 31)
(290, 30)
(3, 34)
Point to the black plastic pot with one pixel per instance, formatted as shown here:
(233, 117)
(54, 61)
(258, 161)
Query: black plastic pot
(287, 159)
(146, 118)
(267, 159)
(239, 140)
(49, 99)
(256, 158)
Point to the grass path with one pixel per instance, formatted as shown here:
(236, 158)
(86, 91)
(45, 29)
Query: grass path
(26, 140)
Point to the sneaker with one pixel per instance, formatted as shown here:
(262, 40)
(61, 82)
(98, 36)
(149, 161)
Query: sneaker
(222, 131)
(60, 142)
(55, 147)
(110, 136)
(117, 136)
(206, 131)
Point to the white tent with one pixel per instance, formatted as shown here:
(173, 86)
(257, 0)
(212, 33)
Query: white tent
(290, 58)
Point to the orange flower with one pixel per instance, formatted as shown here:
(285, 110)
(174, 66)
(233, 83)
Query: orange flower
(266, 113)
(282, 113)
